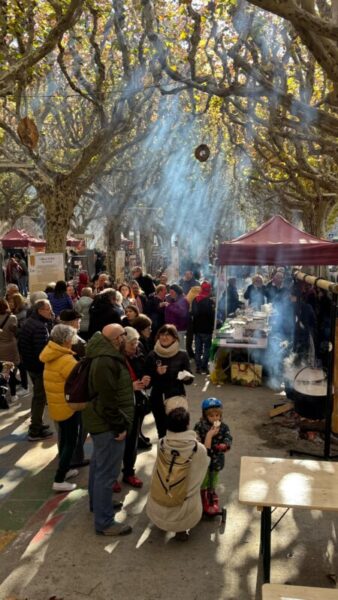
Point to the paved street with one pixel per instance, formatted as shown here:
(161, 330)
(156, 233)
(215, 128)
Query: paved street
(49, 548)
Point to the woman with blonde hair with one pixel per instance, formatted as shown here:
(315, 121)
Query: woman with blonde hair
(19, 308)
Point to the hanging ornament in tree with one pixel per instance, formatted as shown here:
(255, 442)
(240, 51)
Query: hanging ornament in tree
(28, 133)
(202, 152)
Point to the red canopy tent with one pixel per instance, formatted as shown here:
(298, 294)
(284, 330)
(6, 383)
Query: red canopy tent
(73, 242)
(37, 243)
(278, 242)
(19, 238)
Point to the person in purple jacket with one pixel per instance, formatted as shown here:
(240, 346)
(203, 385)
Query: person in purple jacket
(177, 311)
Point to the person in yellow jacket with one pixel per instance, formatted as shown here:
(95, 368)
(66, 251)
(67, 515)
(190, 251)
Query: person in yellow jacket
(59, 361)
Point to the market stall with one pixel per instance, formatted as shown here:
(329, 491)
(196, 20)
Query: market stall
(72, 242)
(19, 238)
(278, 242)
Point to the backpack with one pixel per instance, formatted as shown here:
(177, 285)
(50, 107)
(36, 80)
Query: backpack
(170, 477)
(77, 385)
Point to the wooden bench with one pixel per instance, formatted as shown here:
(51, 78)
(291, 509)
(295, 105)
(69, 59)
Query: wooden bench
(289, 483)
(297, 592)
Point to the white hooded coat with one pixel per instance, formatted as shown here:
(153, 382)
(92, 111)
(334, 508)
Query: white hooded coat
(186, 516)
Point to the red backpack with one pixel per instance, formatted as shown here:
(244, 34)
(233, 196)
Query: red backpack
(77, 385)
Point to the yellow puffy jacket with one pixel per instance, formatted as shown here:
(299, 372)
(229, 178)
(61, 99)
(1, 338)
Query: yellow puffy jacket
(59, 362)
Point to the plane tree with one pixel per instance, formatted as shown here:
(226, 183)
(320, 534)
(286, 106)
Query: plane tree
(92, 101)
(269, 87)
(316, 24)
(28, 34)
(94, 93)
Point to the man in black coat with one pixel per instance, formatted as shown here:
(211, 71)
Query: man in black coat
(145, 282)
(188, 281)
(203, 318)
(33, 337)
(103, 311)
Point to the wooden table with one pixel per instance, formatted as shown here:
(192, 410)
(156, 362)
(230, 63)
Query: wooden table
(290, 483)
(233, 344)
(297, 592)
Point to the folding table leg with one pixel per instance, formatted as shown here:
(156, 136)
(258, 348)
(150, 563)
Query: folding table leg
(266, 541)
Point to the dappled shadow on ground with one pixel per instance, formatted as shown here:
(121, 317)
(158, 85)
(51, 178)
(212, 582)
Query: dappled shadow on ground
(20, 458)
(68, 560)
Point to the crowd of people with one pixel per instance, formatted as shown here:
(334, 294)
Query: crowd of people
(138, 337)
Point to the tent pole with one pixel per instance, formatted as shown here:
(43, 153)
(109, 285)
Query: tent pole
(217, 295)
(330, 382)
(226, 292)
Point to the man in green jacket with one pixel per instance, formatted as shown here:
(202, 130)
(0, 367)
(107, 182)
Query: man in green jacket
(107, 418)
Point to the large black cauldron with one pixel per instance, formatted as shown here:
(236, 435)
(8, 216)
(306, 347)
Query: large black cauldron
(308, 393)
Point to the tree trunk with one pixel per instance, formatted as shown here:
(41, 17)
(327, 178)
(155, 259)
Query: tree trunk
(113, 236)
(59, 203)
(334, 5)
(146, 242)
(315, 221)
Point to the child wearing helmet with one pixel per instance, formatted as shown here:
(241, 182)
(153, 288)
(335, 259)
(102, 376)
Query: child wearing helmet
(216, 437)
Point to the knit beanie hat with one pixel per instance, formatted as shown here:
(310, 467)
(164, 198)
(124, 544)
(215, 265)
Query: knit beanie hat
(69, 314)
(132, 334)
(205, 291)
(35, 296)
(176, 402)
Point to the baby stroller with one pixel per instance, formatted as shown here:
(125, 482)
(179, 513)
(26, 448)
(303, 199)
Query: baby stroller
(3, 387)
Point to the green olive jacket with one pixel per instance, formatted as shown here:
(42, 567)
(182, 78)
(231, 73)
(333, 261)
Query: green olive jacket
(110, 384)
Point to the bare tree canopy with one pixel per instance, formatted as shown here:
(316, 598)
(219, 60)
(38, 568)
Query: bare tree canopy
(89, 77)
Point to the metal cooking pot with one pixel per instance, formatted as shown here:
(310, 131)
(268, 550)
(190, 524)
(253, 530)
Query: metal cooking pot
(309, 392)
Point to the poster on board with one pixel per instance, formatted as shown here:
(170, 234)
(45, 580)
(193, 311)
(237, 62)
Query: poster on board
(175, 263)
(120, 261)
(44, 268)
(142, 262)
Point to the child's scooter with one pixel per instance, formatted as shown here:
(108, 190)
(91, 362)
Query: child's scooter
(210, 501)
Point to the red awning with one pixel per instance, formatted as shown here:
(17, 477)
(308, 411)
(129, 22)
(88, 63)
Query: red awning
(16, 238)
(37, 243)
(73, 242)
(278, 242)
(19, 238)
